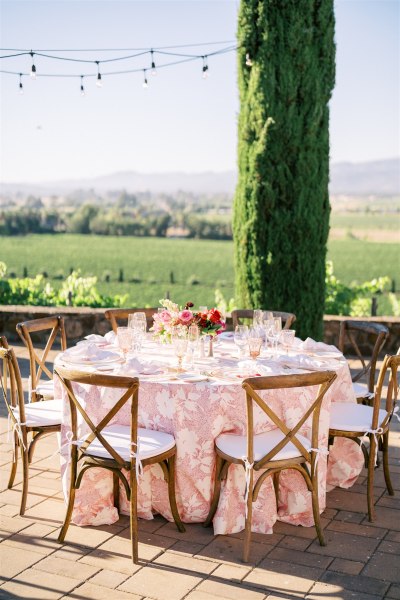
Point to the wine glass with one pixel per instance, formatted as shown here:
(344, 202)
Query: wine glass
(257, 317)
(276, 331)
(179, 339)
(193, 340)
(287, 338)
(240, 337)
(124, 337)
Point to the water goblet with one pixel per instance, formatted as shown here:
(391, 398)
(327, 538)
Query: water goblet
(193, 340)
(138, 329)
(255, 341)
(255, 344)
(240, 338)
(287, 338)
(276, 331)
(124, 337)
(180, 342)
(257, 316)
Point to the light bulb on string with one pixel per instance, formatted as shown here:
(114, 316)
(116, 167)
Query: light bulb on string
(153, 64)
(145, 84)
(205, 68)
(249, 62)
(21, 87)
(82, 87)
(99, 82)
(33, 68)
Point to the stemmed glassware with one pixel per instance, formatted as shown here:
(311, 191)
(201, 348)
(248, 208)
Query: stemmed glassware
(193, 340)
(255, 342)
(124, 337)
(287, 338)
(137, 324)
(179, 340)
(240, 338)
(276, 331)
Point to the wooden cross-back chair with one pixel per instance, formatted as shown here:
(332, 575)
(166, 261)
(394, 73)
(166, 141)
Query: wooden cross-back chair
(358, 421)
(119, 316)
(275, 450)
(40, 388)
(116, 447)
(353, 334)
(243, 313)
(38, 419)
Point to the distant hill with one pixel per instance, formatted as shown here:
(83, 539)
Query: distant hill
(359, 179)
(381, 177)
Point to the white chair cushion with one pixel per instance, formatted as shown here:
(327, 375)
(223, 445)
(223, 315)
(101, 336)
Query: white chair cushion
(361, 390)
(348, 416)
(39, 414)
(46, 389)
(236, 445)
(150, 442)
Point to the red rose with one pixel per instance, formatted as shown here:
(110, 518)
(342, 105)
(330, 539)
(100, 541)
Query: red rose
(214, 315)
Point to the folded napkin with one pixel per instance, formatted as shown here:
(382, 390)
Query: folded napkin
(310, 345)
(87, 353)
(249, 368)
(94, 338)
(302, 361)
(110, 337)
(134, 366)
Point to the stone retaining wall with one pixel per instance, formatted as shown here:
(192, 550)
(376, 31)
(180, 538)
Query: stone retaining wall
(82, 321)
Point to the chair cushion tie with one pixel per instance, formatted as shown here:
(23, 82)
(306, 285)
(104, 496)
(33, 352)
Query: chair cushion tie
(248, 466)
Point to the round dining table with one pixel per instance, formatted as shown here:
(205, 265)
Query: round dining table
(195, 406)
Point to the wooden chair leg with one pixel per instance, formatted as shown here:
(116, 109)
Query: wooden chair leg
(116, 490)
(68, 515)
(385, 460)
(370, 479)
(217, 491)
(14, 463)
(25, 480)
(133, 516)
(275, 480)
(317, 516)
(248, 520)
(172, 495)
(32, 446)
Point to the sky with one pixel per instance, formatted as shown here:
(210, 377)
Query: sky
(181, 122)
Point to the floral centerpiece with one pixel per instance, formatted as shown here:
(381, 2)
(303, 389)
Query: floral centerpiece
(173, 317)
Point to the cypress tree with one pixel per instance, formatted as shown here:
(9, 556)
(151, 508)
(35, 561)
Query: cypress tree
(281, 208)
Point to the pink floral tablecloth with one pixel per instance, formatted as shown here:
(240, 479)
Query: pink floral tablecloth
(196, 413)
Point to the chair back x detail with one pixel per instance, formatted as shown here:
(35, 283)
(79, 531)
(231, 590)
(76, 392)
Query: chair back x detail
(136, 447)
(275, 450)
(352, 334)
(36, 419)
(243, 313)
(357, 422)
(254, 385)
(41, 389)
(116, 315)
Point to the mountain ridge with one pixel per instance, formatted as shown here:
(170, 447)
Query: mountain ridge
(366, 178)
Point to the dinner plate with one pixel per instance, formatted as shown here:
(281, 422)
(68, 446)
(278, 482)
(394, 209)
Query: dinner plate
(326, 354)
(191, 377)
(75, 360)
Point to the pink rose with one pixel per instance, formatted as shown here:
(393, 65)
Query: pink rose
(185, 317)
(165, 316)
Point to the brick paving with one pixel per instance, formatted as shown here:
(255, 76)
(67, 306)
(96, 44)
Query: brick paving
(361, 560)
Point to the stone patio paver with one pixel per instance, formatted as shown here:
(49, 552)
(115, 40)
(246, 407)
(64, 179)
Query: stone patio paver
(360, 562)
